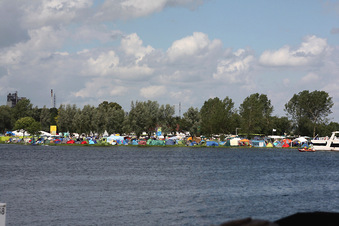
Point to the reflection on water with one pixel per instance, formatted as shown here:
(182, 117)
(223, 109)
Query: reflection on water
(65, 185)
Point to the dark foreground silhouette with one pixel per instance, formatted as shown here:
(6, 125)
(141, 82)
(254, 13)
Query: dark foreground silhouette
(298, 219)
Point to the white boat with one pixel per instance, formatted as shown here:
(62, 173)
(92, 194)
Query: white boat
(327, 144)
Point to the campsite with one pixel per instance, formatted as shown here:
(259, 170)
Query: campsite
(179, 139)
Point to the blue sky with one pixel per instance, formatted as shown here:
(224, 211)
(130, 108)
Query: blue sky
(170, 51)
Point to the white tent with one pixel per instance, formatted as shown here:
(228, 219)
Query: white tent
(44, 133)
(20, 133)
(300, 139)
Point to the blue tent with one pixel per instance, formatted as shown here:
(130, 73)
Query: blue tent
(10, 133)
(170, 142)
(134, 142)
(92, 141)
(211, 143)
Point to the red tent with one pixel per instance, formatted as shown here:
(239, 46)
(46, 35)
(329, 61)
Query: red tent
(84, 142)
(285, 145)
(70, 142)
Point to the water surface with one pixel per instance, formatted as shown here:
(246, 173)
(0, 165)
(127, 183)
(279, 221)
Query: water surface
(65, 185)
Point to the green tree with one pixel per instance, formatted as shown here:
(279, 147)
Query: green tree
(191, 121)
(34, 129)
(110, 105)
(27, 124)
(100, 119)
(325, 129)
(83, 120)
(143, 117)
(255, 112)
(5, 118)
(115, 120)
(45, 119)
(53, 116)
(216, 116)
(166, 120)
(22, 109)
(65, 118)
(282, 125)
(309, 106)
(109, 117)
(36, 113)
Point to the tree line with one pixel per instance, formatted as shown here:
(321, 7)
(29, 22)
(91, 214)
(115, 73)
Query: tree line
(306, 114)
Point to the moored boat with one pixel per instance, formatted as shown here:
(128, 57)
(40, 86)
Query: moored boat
(326, 144)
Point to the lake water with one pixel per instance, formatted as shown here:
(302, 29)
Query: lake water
(65, 185)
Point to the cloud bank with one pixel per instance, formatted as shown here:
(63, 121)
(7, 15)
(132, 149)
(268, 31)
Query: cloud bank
(71, 47)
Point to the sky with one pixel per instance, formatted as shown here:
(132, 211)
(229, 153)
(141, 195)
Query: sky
(170, 51)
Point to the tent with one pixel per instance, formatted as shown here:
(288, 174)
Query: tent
(244, 142)
(92, 142)
(157, 142)
(170, 142)
(70, 142)
(235, 141)
(142, 142)
(117, 139)
(84, 142)
(258, 143)
(211, 143)
(286, 143)
(269, 145)
(134, 141)
(9, 133)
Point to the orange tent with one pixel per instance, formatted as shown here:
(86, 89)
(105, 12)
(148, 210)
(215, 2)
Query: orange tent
(245, 142)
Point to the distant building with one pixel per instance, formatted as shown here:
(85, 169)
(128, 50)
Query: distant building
(13, 99)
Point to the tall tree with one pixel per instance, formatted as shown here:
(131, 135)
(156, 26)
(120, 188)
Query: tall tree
(143, 117)
(45, 119)
(100, 119)
(65, 118)
(166, 120)
(27, 124)
(282, 125)
(22, 109)
(83, 120)
(191, 121)
(216, 115)
(5, 118)
(313, 106)
(53, 115)
(255, 112)
(115, 119)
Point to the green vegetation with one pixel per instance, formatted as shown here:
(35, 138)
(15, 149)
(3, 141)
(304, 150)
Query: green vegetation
(308, 112)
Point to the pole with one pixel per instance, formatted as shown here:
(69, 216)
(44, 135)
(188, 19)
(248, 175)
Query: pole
(2, 214)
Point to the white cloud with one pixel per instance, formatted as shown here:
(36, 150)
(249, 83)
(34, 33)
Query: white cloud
(53, 12)
(87, 33)
(233, 69)
(151, 92)
(197, 45)
(109, 64)
(310, 78)
(106, 63)
(42, 44)
(132, 45)
(309, 51)
(118, 9)
(101, 88)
